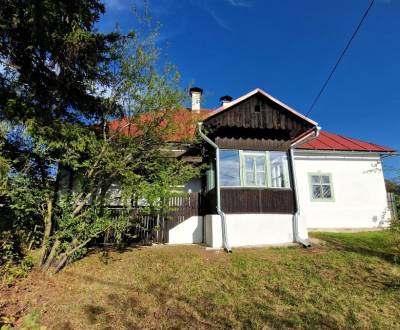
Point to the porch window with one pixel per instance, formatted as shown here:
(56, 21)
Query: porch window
(210, 174)
(244, 168)
(254, 169)
(279, 169)
(229, 168)
(321, 187)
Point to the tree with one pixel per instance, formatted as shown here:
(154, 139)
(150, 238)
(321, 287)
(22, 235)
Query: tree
(61, 85)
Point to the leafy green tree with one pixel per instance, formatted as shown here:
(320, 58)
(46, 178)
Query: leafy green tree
(62, 83)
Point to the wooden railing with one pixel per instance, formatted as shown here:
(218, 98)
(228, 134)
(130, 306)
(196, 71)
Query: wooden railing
(148, 228)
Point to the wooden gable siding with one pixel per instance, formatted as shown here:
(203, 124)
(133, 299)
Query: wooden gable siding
(271, 116)
(252, 144)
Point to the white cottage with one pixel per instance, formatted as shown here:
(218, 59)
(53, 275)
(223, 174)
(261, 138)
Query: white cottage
(273, 175)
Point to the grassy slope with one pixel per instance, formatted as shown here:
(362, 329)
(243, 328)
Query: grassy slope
(339, 285)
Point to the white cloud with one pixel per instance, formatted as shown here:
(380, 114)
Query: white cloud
(239, 3)
(219, 20)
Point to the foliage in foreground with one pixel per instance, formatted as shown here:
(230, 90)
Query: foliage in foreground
(339, 285)
(62, 83)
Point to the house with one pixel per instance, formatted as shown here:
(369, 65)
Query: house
(272, 175)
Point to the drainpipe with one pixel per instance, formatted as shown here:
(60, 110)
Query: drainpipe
(296, 216)
(217, 186)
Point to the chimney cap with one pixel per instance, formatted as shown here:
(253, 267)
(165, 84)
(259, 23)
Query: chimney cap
(195, 89)
(226, 98)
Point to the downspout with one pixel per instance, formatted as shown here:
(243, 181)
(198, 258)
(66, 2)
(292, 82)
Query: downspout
(225, 241)
(296, 216)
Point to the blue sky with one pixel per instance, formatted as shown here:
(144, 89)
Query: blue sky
(287, 48)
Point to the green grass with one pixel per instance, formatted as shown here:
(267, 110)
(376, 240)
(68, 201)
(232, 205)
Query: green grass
(348, 282)
(374, 243)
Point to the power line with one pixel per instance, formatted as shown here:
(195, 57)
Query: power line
(340, 58)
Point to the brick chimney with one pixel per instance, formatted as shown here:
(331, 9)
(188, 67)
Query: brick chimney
(195, 94)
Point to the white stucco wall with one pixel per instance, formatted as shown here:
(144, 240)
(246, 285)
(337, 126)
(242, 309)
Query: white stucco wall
(250, 229)
(188, 232)
(358, 189)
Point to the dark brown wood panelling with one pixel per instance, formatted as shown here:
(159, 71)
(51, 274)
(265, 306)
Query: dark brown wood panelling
(271, 116)
(254, 200)
(251, 200)
(252, 144)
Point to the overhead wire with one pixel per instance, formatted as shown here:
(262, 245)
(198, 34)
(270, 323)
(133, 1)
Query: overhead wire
(322, 89)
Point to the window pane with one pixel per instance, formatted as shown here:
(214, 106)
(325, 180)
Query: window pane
(279, 171)
(260, 179)
(260, 164)
(315, 179)
(210, 176)
(316, 192)
(260, 176)
(325, 179)
(326, 192)
(229, 168)
(250, 178)
(249, 163)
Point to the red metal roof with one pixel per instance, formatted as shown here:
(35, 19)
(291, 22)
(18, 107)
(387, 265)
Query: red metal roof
(330, 141)
(184, 123)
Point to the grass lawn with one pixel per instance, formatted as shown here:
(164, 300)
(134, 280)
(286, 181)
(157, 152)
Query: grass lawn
(349, 281)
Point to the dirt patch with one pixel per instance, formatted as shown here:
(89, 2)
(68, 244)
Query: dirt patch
(18, 300)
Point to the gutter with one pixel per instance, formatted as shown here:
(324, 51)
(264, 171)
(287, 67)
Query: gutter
(225, 240)
(305, 139)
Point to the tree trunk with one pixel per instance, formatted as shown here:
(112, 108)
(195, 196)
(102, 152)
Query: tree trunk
(65, 256)
(82, 204)
(47, 231)
(50, 258)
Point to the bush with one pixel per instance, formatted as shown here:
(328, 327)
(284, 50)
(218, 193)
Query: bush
(12, 271)
(10, 247)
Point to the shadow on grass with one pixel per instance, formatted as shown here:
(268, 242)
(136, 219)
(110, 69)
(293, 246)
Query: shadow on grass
(104, 251)
(93, 279)
(362, 249)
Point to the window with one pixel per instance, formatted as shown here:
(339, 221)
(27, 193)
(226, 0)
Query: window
(229, 168)
(257, 108)
(279, 169)
(210, 176)
(243, 168)
(321, 187)
(255, 169)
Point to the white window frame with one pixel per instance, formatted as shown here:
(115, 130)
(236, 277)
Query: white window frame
(267, 170)
(243, 170)
(322, 199)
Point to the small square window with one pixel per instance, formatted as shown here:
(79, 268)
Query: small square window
(321, 187)
(257, 108)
